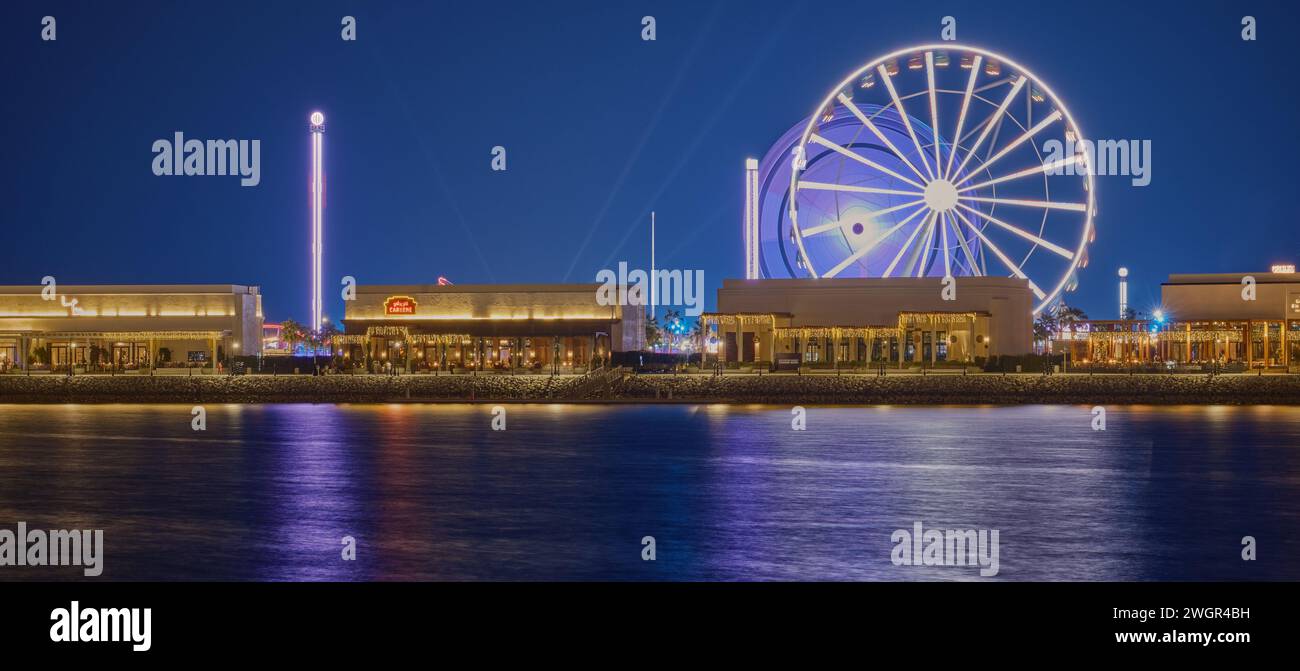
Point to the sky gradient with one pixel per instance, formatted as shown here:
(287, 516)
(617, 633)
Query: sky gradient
(600, 127)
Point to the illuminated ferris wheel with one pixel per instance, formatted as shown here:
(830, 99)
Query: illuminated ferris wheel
(936, 161)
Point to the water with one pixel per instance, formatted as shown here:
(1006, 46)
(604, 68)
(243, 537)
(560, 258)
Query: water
(728, 493)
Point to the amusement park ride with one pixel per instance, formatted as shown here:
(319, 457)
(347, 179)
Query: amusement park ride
(926, 162)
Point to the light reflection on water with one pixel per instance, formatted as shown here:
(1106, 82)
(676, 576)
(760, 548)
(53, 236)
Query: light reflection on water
(729, 492)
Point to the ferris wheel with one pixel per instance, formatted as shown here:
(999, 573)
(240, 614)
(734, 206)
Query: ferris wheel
(941, 160)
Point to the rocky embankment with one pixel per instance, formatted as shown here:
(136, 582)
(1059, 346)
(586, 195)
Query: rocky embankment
(784, 389)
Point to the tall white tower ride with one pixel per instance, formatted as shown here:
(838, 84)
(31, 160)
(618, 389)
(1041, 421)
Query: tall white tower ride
(751, 219)
(1123, 292)
(317, 217)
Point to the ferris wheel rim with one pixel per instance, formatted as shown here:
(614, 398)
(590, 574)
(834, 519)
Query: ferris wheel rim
(1089, 212)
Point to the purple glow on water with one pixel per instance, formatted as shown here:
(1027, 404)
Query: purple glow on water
(729, 492)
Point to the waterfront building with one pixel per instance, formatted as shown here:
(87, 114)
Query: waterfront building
(128, 326)
(783, 323)
(553, 327)
(1242, 320)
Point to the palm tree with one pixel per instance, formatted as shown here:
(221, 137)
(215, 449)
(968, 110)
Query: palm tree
(672, 318)
(1068, 316)
(291, 332)
(1044, 327)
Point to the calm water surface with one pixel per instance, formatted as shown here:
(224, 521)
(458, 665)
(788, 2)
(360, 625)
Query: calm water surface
(729, 493)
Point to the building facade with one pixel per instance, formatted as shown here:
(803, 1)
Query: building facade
(844, 322)
(1248, 320)
(127, 327)
(555, 327)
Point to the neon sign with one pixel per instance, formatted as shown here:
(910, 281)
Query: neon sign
(399, 305)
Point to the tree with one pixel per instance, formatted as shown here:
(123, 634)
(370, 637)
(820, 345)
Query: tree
(697, 333)
(1044, 327)
(328, 331)
(652, 332)
(672, 327)
(291, 332)
(1068, 316)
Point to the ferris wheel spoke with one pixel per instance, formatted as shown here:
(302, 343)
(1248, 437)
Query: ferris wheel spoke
(849, 153)
(1021, 232)
(961, 242)
(961, 118)
(838, 224)
(993, 84)
(907, 245)
(934, 112)
(1045, 167)
(1006, 261)
(844, 100)
(1015, 88)
(902, 114)
(1049, 120)
(966, 250)
(947, 257)
(865, 249)
(928, 246)
(849, 188)
(1073, 207)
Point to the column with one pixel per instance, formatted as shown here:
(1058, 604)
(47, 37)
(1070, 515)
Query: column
(902, 346)
(1266, 343)
(934, 345)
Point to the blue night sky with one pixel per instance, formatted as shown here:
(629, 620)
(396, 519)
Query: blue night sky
(600, 128)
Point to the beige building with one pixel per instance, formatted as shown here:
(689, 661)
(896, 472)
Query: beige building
(127, 326)
(490, 326)
(843, 322)
(1204, 319)
(1227, 318)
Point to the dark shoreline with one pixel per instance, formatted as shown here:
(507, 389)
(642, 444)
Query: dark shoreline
(898, 389)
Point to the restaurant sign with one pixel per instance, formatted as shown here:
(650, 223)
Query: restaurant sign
(399, 305)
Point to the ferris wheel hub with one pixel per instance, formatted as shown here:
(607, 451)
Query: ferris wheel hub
(940, 195)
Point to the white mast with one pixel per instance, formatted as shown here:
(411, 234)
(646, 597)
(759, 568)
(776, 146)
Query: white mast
(653, 295)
